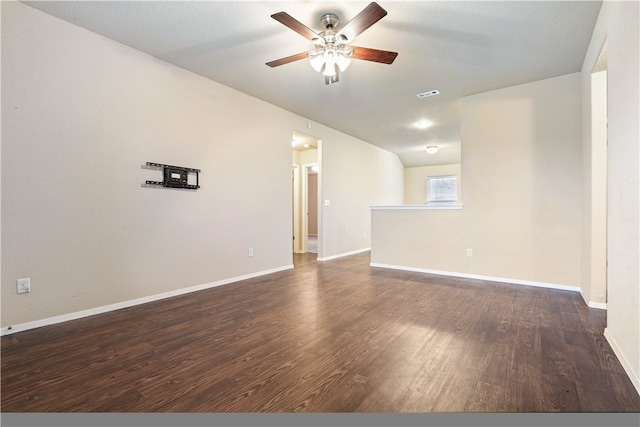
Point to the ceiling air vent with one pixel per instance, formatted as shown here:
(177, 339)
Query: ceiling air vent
(429, 93)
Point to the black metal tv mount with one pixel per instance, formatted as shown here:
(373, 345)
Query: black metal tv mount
(174, 176)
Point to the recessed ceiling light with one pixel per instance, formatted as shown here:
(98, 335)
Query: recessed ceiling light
(422, 124)
(432, 149)
(428, 93)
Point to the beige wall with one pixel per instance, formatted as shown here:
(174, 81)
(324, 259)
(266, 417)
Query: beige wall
(308, 157)
(618, 24)
(81, 114)
(521, 192)
(594, 191)
(353, 176)
(415, 181)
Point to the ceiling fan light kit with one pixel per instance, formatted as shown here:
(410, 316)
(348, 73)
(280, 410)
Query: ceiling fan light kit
(332, 53)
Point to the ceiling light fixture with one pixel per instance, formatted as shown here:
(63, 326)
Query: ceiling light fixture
(432, 149)
(423, 124)
(330, 51)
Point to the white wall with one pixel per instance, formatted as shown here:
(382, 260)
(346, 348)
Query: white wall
(618, 24)
(80, 115)
(521, 163)
(415, 181)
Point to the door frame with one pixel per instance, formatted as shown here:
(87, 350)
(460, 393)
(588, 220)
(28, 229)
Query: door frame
(305, 205)
(295, 207)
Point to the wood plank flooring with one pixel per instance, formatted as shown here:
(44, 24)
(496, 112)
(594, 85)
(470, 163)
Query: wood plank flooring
(336, 336)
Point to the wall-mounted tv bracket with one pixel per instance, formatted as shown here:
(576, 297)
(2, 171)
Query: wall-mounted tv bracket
(173, 176)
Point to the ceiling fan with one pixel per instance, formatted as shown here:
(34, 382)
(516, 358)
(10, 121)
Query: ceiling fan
(332, 50)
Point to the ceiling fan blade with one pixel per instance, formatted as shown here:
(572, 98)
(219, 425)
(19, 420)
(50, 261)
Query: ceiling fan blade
(288, 59)
(366, 18)
(289, 21)
(375, 55)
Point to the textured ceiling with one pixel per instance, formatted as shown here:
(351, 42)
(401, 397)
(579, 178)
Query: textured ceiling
(460, 48)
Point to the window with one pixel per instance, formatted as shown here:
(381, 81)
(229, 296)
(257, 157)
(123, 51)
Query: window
(442, 189)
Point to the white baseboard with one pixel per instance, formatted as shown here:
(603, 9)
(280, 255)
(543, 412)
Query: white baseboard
(476, 276)
(593, 304)
(111, 307)
(598, 305)
(359, 251)
(633, 376)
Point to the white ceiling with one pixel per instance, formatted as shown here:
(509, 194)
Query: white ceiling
(458, 47)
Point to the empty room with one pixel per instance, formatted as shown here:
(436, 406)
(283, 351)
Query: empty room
(403, 207)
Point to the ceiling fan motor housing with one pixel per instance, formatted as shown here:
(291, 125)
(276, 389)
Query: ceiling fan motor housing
(329, 21)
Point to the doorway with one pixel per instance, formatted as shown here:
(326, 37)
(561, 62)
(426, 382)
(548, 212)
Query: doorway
(312, 208)
(306, 192)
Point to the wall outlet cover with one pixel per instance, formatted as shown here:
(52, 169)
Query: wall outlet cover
(23, 285)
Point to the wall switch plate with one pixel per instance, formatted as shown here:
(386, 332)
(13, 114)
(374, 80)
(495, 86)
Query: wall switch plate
(469, 253)
(250, 251)
(23, 285)
(327, 202)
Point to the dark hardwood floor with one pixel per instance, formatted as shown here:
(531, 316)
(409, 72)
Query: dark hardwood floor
(337, 336)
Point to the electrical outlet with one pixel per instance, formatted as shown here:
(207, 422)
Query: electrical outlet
(250, 251)
(23, 285)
